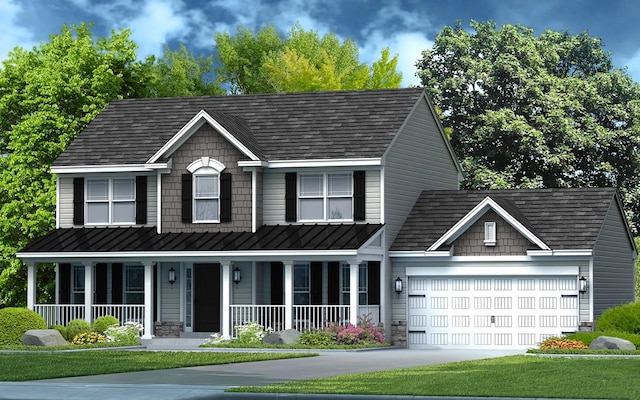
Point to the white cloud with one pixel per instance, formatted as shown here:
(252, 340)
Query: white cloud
(12, 35)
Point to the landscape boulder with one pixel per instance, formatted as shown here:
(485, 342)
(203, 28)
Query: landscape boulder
(288, 336)
(611, 343)
(43, 337)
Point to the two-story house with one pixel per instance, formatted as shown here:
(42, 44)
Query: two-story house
(293, 210)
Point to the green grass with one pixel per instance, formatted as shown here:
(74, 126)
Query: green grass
(26, 366)
(514, 376)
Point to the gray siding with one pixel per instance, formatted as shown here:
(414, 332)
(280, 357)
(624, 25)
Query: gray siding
(66, 198)
(273, 195)
(206, 142)
(613, 270)
(170, 294)
(417, 160)
(242, 292)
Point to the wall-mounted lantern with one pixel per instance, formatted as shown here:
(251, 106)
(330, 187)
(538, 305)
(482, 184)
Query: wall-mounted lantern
(398, 283)
(582, 284)
(237, 275)
(172, 276)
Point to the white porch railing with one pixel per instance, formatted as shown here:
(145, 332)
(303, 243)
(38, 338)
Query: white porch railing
(61, 314)
(305, 317)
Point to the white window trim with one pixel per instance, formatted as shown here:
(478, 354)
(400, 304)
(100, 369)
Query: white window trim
(490, 233)
(110, 200)
(308, 288)
(325, 197)
(125, 281)
(205, 171)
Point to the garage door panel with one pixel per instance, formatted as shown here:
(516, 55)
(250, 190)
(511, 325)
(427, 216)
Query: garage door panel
(486, 312)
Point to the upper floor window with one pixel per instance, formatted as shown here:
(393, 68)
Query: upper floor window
(206, 195)
(111, 201)
(325, 197)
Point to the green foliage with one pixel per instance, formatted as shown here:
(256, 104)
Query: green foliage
(14, 322)
(588, 337)
(536, 111)
(637, 270)
(250, 333)
(179, 74)
(64, 332)
(623, 318)
(316, 339)
(102, 323)
(127, 334)
(47, 96)
(77, 327)
(267, 62)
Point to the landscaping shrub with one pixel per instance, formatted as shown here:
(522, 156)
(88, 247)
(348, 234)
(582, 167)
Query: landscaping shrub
(89, 338)
(76, 327)
(562, 343)
(102, 323)
(365, 332)
(588, 337)
(15, 321)
(250, 333)
(624, 318)
(128, 334)
(62, 329)
(316, 338)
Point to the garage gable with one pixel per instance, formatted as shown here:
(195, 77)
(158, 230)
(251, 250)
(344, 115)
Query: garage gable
(476, 229)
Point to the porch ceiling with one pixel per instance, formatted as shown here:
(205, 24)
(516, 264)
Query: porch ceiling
(146, 239)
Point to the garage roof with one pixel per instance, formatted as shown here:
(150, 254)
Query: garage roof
(561, 218)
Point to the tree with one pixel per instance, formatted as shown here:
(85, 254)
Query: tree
(266, 62)
(179, 74)
(527, 111)
(47, 96)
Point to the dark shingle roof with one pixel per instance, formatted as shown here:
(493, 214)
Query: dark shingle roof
(293, 126)
(269, 237)
(562, 218)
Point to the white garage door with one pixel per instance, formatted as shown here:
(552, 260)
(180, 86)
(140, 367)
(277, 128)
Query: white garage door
(490, 312)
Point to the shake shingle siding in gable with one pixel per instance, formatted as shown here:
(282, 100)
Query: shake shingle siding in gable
(294, 126)
(613, 280)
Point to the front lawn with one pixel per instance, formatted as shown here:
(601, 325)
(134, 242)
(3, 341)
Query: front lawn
(513, 376)
(26, 366)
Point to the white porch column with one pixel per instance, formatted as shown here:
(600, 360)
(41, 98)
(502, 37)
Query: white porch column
(31, 284)
(354, 270)
(88, 292)
(226, 298)
(148, 300)
(288, 294)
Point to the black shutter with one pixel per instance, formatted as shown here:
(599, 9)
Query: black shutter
(117, 271)
(359, 196)
(141, 200)
(373, 276)
(225, 197)
(316, 283)
(333, 283)
(78, 201)
(187, 200)
(291, 197)
(64, 283)
(101, 283)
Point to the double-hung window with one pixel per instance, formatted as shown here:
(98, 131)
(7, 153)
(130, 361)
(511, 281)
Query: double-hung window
(134, 284)
(326, 197)
(301, 284)
(111, 201)
(206, 195)
(363, 284)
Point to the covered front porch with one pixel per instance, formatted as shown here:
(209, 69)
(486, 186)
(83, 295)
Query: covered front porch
(208, 291)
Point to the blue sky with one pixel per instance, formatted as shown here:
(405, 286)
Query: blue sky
(405, 26)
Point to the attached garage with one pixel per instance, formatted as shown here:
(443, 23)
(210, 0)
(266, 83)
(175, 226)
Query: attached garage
(506, 269)
(490, 311)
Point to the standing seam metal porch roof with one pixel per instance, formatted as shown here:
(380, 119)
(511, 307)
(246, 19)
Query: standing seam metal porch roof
(146, 239)
(287, 126)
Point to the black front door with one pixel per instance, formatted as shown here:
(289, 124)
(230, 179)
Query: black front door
(206, 301)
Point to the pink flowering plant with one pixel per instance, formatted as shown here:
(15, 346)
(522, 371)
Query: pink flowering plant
(364, 333)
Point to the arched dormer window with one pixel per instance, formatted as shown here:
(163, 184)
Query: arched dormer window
(206, 192)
